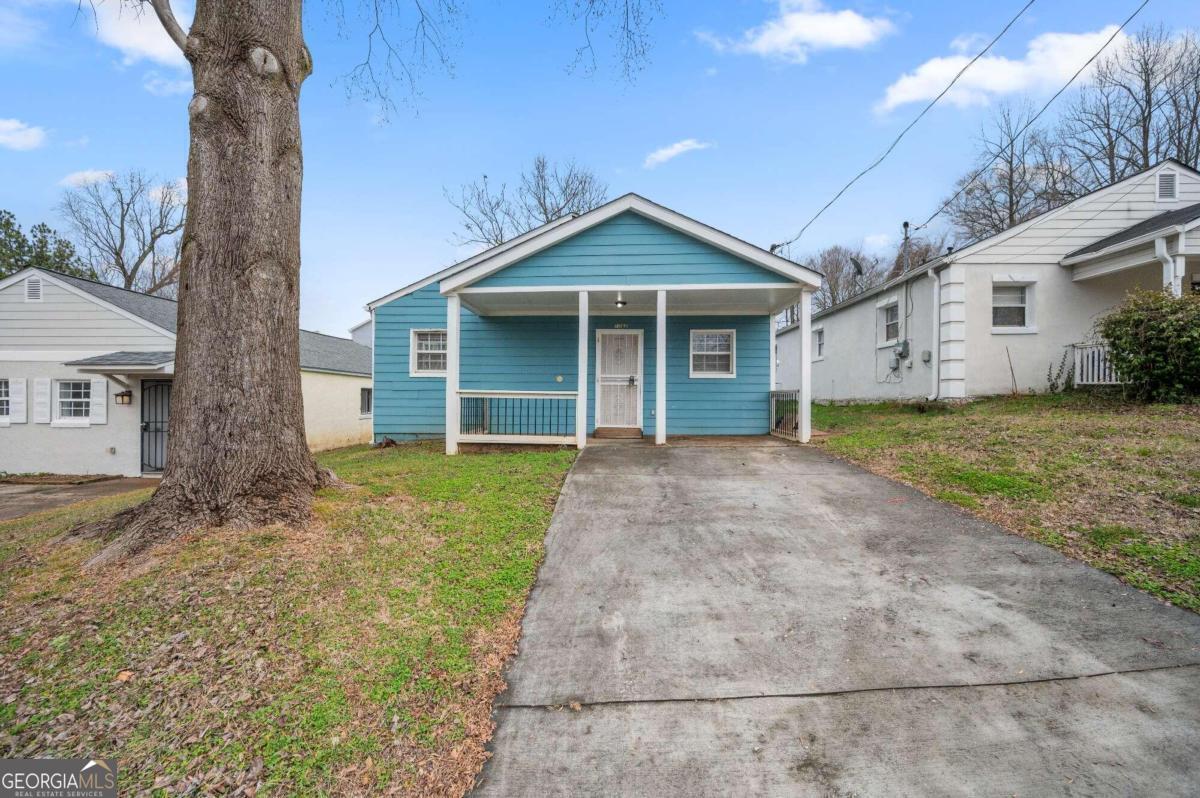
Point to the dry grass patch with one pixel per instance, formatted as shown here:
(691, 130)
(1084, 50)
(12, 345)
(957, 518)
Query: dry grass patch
(359, 656)
(1116, 485)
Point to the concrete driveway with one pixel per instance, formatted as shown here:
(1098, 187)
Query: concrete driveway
(773, 621)
(19, 500)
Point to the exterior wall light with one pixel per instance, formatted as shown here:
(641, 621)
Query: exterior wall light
(124, 397)
(620, 300)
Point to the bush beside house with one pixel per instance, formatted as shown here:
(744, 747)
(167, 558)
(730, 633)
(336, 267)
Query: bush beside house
(1154, 344)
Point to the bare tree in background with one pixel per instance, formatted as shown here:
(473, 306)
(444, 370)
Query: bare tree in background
(921, 249)
(492, 215)
(128, 228)
(1006, 188)
(843, 277)
(237, 454)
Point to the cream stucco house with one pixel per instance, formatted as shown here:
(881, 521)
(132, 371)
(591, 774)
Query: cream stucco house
(998, 315)
(86, 371)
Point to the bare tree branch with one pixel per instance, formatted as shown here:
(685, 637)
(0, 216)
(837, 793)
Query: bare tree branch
(491, 216)
(162, 8)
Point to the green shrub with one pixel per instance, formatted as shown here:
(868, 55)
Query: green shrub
(1154, 343)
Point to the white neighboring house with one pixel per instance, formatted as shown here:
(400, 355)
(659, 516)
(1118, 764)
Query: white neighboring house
(86, 370)
(364, 333)
(999, 314)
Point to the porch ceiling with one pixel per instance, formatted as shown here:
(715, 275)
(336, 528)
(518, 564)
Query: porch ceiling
(749, 300)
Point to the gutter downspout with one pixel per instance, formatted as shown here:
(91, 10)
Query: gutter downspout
(936, 345)
(1168, 264)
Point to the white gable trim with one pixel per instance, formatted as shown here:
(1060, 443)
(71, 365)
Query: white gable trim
(1148, 176)
(495, 261)
(45, 275)
(465, 264)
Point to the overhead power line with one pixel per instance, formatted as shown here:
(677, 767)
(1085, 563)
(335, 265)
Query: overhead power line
(1033, 119)
(910, 126)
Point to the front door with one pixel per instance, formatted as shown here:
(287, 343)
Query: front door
(619, 378)
(156, 413)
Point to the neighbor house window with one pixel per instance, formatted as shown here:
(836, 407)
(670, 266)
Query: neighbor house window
(5, 399)
(365, 399)
(712, 353)
(818, 344)
(428, 355)
(74, 399)
(890, 317)
(1010, 306)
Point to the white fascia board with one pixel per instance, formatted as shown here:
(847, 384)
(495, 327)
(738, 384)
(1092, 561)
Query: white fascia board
(495, 261)
(165, 368)
(624, 287)
(45, 275)
(465, 264)
(1132, 243)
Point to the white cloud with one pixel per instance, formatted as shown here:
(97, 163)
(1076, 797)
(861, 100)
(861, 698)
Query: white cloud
(801, 27)
(18, 30)
(16, 135)
(137, 33)
(165, 85)
(1049, 60)
(84, 177)
(664, 154)
(877, 242)
(179, 187)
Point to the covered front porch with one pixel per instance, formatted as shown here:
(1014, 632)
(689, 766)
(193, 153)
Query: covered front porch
(561, 365)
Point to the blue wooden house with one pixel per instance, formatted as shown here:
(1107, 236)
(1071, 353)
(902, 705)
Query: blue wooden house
(630, 319)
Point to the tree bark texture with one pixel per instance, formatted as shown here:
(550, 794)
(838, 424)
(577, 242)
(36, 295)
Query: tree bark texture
(236, 454)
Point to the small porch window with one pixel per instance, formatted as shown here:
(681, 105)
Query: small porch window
(818, 338)
(427, 353)
(1010, 306)
(712, 353)
(365, 401)
(74, 399)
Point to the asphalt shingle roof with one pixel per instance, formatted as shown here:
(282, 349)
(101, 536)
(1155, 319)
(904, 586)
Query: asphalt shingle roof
(126, 359)
(1162, 221)
(318, 352)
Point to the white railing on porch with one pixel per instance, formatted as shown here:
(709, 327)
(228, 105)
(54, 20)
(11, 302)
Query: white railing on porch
(785, 414)
(545, 417)
(1093, 366)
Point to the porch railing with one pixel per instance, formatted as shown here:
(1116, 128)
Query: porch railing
(785, 414)
(1093, 367)
(546, 417)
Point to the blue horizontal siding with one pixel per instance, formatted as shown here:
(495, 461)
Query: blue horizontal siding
(630, 250)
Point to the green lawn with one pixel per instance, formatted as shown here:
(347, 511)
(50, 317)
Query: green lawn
(1113, 484)
(357, 656)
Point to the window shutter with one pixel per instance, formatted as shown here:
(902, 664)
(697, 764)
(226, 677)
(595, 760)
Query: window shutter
(16, 400)
(41, 400)
(99, 414)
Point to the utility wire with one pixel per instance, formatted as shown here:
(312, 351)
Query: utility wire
(910, 126)
(1033, 119)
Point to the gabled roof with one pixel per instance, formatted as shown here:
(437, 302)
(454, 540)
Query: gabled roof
(318, 352)
(539, 238)
(495, 260)
(126, 359)
(1163, 222)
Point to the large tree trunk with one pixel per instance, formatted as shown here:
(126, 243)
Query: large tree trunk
(236, 453)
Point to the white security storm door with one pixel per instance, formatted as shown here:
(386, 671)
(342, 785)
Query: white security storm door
(618, 378)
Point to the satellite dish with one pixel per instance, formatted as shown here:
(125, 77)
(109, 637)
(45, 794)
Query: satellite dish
(858, 267)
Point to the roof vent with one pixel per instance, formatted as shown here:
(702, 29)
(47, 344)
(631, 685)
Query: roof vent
(1166, 186)
(33, 289)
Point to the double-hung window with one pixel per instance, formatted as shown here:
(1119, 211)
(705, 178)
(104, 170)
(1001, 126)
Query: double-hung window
(1010, 306)
(713, 353)
(890, 319)
(5, 398)
(818, 337)
(365, 401)
(427, 353)
(73, 400)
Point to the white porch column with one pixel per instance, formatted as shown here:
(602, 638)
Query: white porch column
(771, 327)
(1177, 278)
(581, 398)
(660, 370)
(805, 366)
(452, 403)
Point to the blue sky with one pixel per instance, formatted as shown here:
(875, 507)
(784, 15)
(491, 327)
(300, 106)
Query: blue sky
(770, 106)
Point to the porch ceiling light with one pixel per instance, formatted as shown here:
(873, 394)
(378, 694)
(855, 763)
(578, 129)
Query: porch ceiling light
(124, 397)
(620, 300)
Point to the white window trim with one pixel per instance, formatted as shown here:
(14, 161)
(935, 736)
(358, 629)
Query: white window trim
(1158, 198)
(883, 342)
(57, 420)
(412, 354)
(820, 328)
(708, 375)
(1030, 286)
